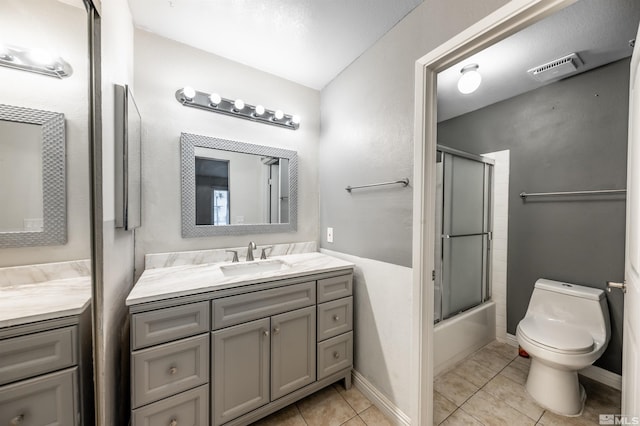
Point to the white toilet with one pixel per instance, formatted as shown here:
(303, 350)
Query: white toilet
(566, 328)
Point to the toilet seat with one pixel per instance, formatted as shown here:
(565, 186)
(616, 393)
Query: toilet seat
(556, 336)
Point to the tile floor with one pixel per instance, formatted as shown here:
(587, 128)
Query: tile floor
(331, 406)
(487, 388)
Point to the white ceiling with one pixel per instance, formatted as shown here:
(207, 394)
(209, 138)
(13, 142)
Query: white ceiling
(598, 30)
(305, 41)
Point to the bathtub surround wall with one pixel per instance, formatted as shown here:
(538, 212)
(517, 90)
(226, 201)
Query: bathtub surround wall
(161, 67)
(63, 27)
(499, 240)
(568, 136)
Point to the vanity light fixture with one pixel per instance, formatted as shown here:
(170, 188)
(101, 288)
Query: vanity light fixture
(213, 102)
(470, 79)
(34, 60)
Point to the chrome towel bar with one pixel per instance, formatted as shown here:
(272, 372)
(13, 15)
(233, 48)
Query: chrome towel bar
(403, 182)
(524, 195)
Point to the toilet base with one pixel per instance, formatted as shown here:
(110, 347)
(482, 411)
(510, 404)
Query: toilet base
(555, 389)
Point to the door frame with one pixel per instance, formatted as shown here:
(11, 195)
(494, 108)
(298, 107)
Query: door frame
(507, 20)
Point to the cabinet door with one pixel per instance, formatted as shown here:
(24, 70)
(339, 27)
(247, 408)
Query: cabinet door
(293, 351)
(240, 369)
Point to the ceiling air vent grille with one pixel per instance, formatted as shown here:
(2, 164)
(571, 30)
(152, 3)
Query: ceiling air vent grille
(556, 69)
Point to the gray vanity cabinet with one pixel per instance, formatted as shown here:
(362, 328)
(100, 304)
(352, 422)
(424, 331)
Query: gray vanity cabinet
(267, 344)
(45, 372)
(293, 351)
(240, 370)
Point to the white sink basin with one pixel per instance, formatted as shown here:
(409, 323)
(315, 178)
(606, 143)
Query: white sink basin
(248, 268)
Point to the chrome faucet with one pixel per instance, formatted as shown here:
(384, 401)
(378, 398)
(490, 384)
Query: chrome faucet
(250, 249)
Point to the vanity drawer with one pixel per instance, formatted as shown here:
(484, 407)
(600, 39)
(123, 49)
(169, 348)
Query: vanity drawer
(165, 370)
(335, 354)
(335, 288)
(33, 354)
(261, 304)
(190, 408)
(335, 317)
(45, 400)
(165, 325)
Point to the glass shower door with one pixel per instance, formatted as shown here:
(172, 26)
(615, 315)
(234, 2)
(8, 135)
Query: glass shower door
(465, 234)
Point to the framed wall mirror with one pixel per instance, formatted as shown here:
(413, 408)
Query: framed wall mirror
(128, 167)
(32, 159)
(236, 188)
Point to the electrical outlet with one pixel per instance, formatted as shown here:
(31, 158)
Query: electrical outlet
(329, 235)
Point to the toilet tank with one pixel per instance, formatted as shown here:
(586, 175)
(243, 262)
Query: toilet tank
(573, 304)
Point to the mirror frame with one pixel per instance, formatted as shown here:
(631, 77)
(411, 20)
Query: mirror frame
(188, 142)
(54, 200)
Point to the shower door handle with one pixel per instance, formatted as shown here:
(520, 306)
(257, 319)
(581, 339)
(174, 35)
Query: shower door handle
(447, 236)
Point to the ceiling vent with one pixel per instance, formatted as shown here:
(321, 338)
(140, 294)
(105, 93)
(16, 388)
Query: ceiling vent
(557, 69)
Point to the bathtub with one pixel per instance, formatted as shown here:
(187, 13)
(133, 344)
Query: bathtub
(458, 337)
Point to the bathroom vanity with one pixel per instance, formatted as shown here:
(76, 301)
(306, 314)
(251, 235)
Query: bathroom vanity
(230, 343)
(45, 349)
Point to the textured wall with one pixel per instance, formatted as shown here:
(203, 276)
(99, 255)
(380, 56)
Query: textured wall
(161, 67)
(568, 136)
(367, 133)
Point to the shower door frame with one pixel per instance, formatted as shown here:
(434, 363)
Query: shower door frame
(505, 21)
(485, 291)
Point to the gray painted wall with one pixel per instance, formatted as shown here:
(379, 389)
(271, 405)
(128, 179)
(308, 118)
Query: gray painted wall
(367, 133)
(570, 135)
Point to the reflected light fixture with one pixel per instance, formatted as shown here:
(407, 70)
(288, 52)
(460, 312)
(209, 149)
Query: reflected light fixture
(39, 61)
(470, 79)
(213, 102)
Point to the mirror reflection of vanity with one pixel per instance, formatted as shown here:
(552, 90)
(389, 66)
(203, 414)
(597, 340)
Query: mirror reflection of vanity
(235, 188)
(45, 233)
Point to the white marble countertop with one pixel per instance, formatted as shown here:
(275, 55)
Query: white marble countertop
(163, 283)
(37, 301)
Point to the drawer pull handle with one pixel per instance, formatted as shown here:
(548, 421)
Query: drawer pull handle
(173, 370)
(16, 420)
(336, 355)
(266, 333)
(173, 422)
(276, 330)
(336, 317)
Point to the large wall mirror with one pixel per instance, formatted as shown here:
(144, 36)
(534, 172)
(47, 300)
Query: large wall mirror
(32, 159)
(235, 188)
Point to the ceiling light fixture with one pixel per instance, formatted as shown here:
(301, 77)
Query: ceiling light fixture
(213, 102)
(39, 61)
(470, 79)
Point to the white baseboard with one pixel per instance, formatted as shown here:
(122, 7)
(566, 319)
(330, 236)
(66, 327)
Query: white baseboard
(395, 414)
(598, 374)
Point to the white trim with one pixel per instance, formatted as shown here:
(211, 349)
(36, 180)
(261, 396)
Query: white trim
(593, 372)
(509, 19)
(384, 404)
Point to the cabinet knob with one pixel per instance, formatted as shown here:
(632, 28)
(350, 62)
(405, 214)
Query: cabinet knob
(173, 370)
(336, 355)
(16, 420)
(266, 332)
(173, 422)
(336, 317)
(276, 330)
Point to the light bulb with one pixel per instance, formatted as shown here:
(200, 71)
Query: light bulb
(215, 99)
(295, 119)
(259, 111)
(238, 105)
(42, 57)
(278, 115)
(470, 79)
(189, 93)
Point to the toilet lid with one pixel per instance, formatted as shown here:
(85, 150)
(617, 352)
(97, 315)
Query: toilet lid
(556, 335)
